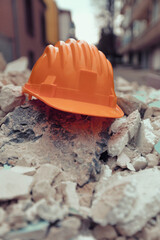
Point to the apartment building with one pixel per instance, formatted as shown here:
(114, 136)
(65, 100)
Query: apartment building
(22, 29)
(140, 43)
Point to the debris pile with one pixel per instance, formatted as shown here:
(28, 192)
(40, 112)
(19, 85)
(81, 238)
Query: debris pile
(68, 176)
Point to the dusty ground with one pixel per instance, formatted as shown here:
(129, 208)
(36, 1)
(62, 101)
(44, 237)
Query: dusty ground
(67, 176)
(141, 76)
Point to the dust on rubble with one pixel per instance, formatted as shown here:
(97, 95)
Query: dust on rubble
(65, 176)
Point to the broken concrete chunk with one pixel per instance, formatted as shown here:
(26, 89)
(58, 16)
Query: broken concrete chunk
(11, 97)
(133, 122)
(130, 167)
(35, 231)
(128, 201)
(117, 124)
(30, 171)
(68, 191)
(101, 233)
(148, 192)
(16, 219)
(47, 172)
(85, 194)
(14, 185)
(146, 139)
(156, 124)
(123, 160)
(4, 228)
(51, 213)
(151, 233)
(139, 163)
(114, 202)
(43, 189)
(68, 229)
(128, 105)
(84, 237)
(152, 160)
(112, 162)
(118, 141)
(18, 65)
(14, 78)
(125, 133)
(31, 211)
(103, 181)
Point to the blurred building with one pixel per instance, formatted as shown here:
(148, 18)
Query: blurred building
(66, 25)
(140, 44)
(22, 29)
(51, 21)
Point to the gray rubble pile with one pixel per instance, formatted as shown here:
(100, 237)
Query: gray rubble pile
(67, 176)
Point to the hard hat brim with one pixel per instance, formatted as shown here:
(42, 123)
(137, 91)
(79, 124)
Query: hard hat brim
(78, 107)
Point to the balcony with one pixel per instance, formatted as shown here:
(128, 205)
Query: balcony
(139, 11)
(148, 38)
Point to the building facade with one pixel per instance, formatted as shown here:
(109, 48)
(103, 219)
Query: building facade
(66, 25)
(22, 29)
(140, 43)
(51, 20)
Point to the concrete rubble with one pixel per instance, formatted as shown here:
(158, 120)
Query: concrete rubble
(66, 176)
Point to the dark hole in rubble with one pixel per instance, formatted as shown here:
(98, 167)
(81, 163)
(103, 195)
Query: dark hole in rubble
(104, 157)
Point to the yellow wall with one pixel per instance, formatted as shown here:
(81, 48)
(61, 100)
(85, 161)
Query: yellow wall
(51, 18)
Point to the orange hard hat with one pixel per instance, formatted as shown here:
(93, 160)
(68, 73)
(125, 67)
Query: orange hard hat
(75, 77)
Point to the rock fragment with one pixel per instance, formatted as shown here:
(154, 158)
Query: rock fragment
(123, 160)
(85, 194)
(125, 133)
(4, 228)
(139, 163)
(84, 237)
(68, 229)
(152, 160)
(18, 65)
(151, 233)
(14, 185)
(11, 97)
(117, 124)
(16, 219)
(128, 105)
(30, 171)
(128, 201)
(51, 213)
(146, 139)
(47, 172)
(68, 191)
(43, 189)
(114, 203)
(101, 233)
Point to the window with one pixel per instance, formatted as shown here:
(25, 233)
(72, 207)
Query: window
(31, 59)
(43, 31)
(155, 11)
(29, 17)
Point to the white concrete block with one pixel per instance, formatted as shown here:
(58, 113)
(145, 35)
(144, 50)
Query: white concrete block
(146, 139)
(123, 160)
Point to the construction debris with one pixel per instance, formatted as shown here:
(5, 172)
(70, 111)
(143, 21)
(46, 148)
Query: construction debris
(18, 65)
(66, 176)
(11, 185)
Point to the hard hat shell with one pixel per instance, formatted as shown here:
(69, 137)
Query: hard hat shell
(75, 77)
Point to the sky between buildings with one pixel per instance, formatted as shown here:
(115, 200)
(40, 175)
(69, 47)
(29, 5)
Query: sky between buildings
(83, 17)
